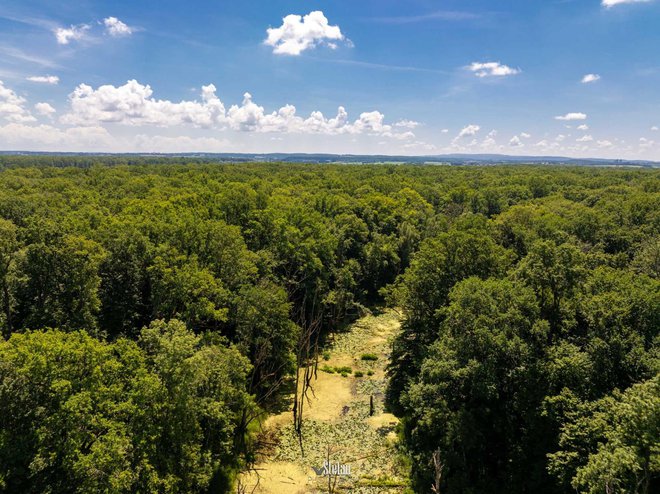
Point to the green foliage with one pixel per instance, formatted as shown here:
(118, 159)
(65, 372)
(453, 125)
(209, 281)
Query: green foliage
(8, 248)
(56, 284)
(369, 357)
(266, 335)
(158, 416)
(531, 296)
(612, 445)
(182, 289)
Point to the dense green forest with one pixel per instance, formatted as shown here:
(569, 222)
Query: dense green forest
(153, 310)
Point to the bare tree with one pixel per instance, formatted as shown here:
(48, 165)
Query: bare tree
(332, 480)
(438, 467)
(307, 362)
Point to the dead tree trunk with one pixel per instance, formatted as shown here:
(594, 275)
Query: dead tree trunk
(307, 362)
(438, 467)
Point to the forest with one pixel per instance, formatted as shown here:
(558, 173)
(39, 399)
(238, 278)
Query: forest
(154, 310)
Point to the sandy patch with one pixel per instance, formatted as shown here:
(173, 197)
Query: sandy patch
(277, 478)
(383, 420)
(331, 392)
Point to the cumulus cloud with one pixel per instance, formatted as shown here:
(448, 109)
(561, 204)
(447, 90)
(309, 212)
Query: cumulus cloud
(44, 79)
(515, 142)
(74, 33)
(585, 138)
(572, 116)
(589, 78)
(115, 27)
(611, 3)
(492, 69)
(489, 142)
(134, 104)
(12, 106)
(468, 130)
(604, 144)
(655, 128)
(583, 127)
(465, 133)
(44, 109)
(299, 33)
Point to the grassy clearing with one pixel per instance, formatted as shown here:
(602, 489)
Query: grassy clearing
(337, 417)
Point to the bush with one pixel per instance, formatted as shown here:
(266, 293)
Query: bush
(369, 357)
(328, 369)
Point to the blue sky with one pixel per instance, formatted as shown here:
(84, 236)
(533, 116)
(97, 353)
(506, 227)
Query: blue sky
(562, 77)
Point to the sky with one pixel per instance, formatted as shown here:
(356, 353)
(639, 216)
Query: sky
(577, 78)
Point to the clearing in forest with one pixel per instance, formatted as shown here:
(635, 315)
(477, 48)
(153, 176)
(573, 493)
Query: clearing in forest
(337, 422)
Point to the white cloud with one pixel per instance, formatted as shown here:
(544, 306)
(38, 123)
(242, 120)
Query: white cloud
(645, 143)
(74, 33)
(572, 116)
(550, 147)
(585, 138)
(419, 145)
(515, 142)
(655, 128)
(44, 109)
(444, 131)
(115, 27)
(489, 143)
(583, 127)
(590, 78)
(133, 104)
(604, 144)
(298, 33)
(468, 130)
(12, 106)
(560, 138)
(44, 79)
(17, 136)
(408, 124)
(611, 3)
(492, 69)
